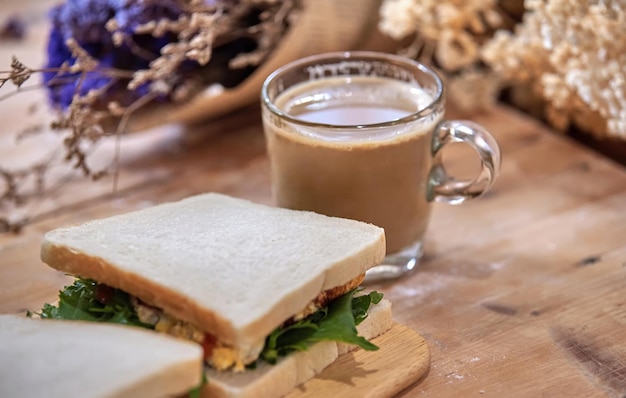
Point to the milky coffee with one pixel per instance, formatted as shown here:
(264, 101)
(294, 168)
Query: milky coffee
(378, 175)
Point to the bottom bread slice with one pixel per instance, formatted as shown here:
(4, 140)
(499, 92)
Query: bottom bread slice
(273, 381)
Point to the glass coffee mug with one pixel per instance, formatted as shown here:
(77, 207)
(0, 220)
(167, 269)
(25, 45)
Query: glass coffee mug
(359, 135)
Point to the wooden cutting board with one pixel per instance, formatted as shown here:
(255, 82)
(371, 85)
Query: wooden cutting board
(403, 359)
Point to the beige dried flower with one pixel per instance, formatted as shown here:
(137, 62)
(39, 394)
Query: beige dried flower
(84, 61)
(456, 28)
(573, 54)
(449, 34)
(19, 72)
(568, 55)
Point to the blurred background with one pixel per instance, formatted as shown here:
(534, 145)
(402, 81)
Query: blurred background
(80, 74)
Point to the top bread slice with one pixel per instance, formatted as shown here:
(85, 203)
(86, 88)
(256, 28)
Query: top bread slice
(58, 359)
(234, 268)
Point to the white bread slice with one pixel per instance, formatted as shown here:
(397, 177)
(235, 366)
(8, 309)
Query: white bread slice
(51, 358)
(231, 267)
(273, 381)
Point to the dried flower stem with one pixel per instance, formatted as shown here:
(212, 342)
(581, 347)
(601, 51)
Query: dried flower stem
(121, 128)
(21, 90)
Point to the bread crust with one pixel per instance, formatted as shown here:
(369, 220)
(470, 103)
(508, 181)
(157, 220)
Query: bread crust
(171, 301)
(326, 297)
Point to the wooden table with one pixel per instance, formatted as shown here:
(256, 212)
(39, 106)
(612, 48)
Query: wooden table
(521, 293)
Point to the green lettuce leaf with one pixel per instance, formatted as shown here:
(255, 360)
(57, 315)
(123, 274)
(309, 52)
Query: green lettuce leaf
(79, 301)
(361, 304)
(196, 392)
(337, 322)
(340, 325)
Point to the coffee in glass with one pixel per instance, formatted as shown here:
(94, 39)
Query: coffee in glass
(358, 135)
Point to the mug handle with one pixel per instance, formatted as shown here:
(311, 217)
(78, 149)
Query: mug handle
(446, 189)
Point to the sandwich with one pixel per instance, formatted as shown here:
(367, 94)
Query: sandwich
(60, 359)
(272, 295)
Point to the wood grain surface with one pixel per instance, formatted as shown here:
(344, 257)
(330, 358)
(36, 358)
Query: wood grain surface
(402, 359)
(522, 292)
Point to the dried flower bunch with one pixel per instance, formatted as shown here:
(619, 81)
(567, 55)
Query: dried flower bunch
(572, 53)
(450, 34)
(450, 31)
(155, 47)
(569, 56)
(109, 58)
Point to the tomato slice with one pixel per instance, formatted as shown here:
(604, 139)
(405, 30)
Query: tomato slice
(104, 293)
(208, 344)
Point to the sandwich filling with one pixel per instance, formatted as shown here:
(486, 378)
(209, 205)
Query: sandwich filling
(332, 315)
(219, 355)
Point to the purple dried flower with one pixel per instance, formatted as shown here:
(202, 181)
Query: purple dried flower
(59, 88)
(137, 13)
(84, 21)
